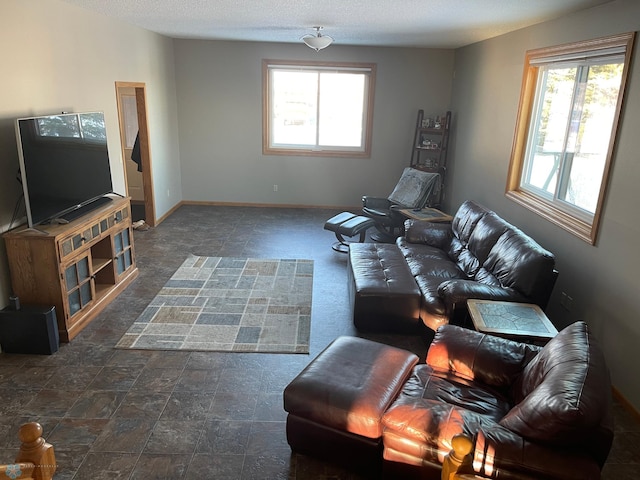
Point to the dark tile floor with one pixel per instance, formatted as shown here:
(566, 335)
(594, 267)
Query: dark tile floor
(188, 415)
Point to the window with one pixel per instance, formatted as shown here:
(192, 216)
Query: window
(565, 133)
(317, 108)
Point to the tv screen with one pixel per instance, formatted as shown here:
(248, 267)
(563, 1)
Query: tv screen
(64, 163)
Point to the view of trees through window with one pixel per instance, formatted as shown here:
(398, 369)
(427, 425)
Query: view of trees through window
(564, 142)
(573, 131)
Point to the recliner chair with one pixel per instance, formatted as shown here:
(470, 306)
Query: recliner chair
(415, 189)
(509, 410)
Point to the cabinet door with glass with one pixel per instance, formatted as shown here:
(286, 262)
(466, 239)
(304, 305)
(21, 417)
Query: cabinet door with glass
(123, 251)
(78, 285)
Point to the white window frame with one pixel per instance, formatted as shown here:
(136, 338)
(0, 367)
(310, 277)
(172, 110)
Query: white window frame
(270, 148)
(577, 221)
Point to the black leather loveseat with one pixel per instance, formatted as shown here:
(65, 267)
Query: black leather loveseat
(522, 412)
(430, 272)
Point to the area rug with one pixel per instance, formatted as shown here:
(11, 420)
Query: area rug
(229, 304)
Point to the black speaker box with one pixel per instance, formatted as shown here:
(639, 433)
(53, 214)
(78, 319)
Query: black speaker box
(31, 329)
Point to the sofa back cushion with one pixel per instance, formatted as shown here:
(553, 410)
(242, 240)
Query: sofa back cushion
(478, 357)
(462, 226)
(518, 262)
(563, 396)
(482, 239)
(492, 251)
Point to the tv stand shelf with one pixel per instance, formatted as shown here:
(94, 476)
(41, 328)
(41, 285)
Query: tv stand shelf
(79, 267)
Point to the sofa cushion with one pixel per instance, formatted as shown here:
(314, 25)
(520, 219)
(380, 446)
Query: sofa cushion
(462, 226)
(478, 357)
(429, 266)
(560, 393)
(432, 408)
(383, 293)
(483, 237)
(465, 220)
(520, 263)
(424, 260)
(418, 254)
(428, 383)
(487, 232)
(428, 233)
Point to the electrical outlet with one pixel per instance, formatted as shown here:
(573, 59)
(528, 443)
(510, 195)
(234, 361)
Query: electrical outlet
(275, 188)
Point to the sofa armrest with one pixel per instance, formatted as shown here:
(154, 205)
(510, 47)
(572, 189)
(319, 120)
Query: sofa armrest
(376, 203)
(499, 449)
(458, 291)
(478, 357)
(434, 234)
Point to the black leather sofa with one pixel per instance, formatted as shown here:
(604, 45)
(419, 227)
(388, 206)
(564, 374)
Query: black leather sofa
(526, 412)
(430, 272)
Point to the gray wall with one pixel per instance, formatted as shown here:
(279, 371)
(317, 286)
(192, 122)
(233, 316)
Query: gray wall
(219, 88)
(602, 279)
(59, 57)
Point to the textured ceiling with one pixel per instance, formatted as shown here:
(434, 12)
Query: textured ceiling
(406, 23)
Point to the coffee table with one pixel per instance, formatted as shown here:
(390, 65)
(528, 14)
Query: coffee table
(523, 322)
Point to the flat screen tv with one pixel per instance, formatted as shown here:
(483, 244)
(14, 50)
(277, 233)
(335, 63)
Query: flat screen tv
(64, 165)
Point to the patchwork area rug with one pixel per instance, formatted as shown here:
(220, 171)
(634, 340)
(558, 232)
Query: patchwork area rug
(229, 304)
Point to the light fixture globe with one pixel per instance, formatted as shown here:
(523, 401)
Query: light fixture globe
(317, 41)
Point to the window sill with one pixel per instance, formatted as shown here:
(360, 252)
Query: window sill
(315, 153)
(583, 230)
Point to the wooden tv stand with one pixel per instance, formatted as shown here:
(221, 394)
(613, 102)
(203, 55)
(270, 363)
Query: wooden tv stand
(79, 267)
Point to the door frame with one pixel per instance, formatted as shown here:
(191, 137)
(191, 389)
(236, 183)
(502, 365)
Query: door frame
(145, 148)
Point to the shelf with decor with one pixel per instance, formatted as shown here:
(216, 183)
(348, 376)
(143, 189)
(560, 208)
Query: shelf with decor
(430, 146)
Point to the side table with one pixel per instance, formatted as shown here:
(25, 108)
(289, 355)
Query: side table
(524, 322)
(427, 213)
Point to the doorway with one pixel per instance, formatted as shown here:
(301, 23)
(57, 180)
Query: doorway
(134, 133)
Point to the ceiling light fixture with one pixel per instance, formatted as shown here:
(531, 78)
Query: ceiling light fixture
(317, 41)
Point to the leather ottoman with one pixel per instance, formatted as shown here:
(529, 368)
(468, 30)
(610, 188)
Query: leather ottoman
(383, 294)
(349, 224)
(335, 405)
